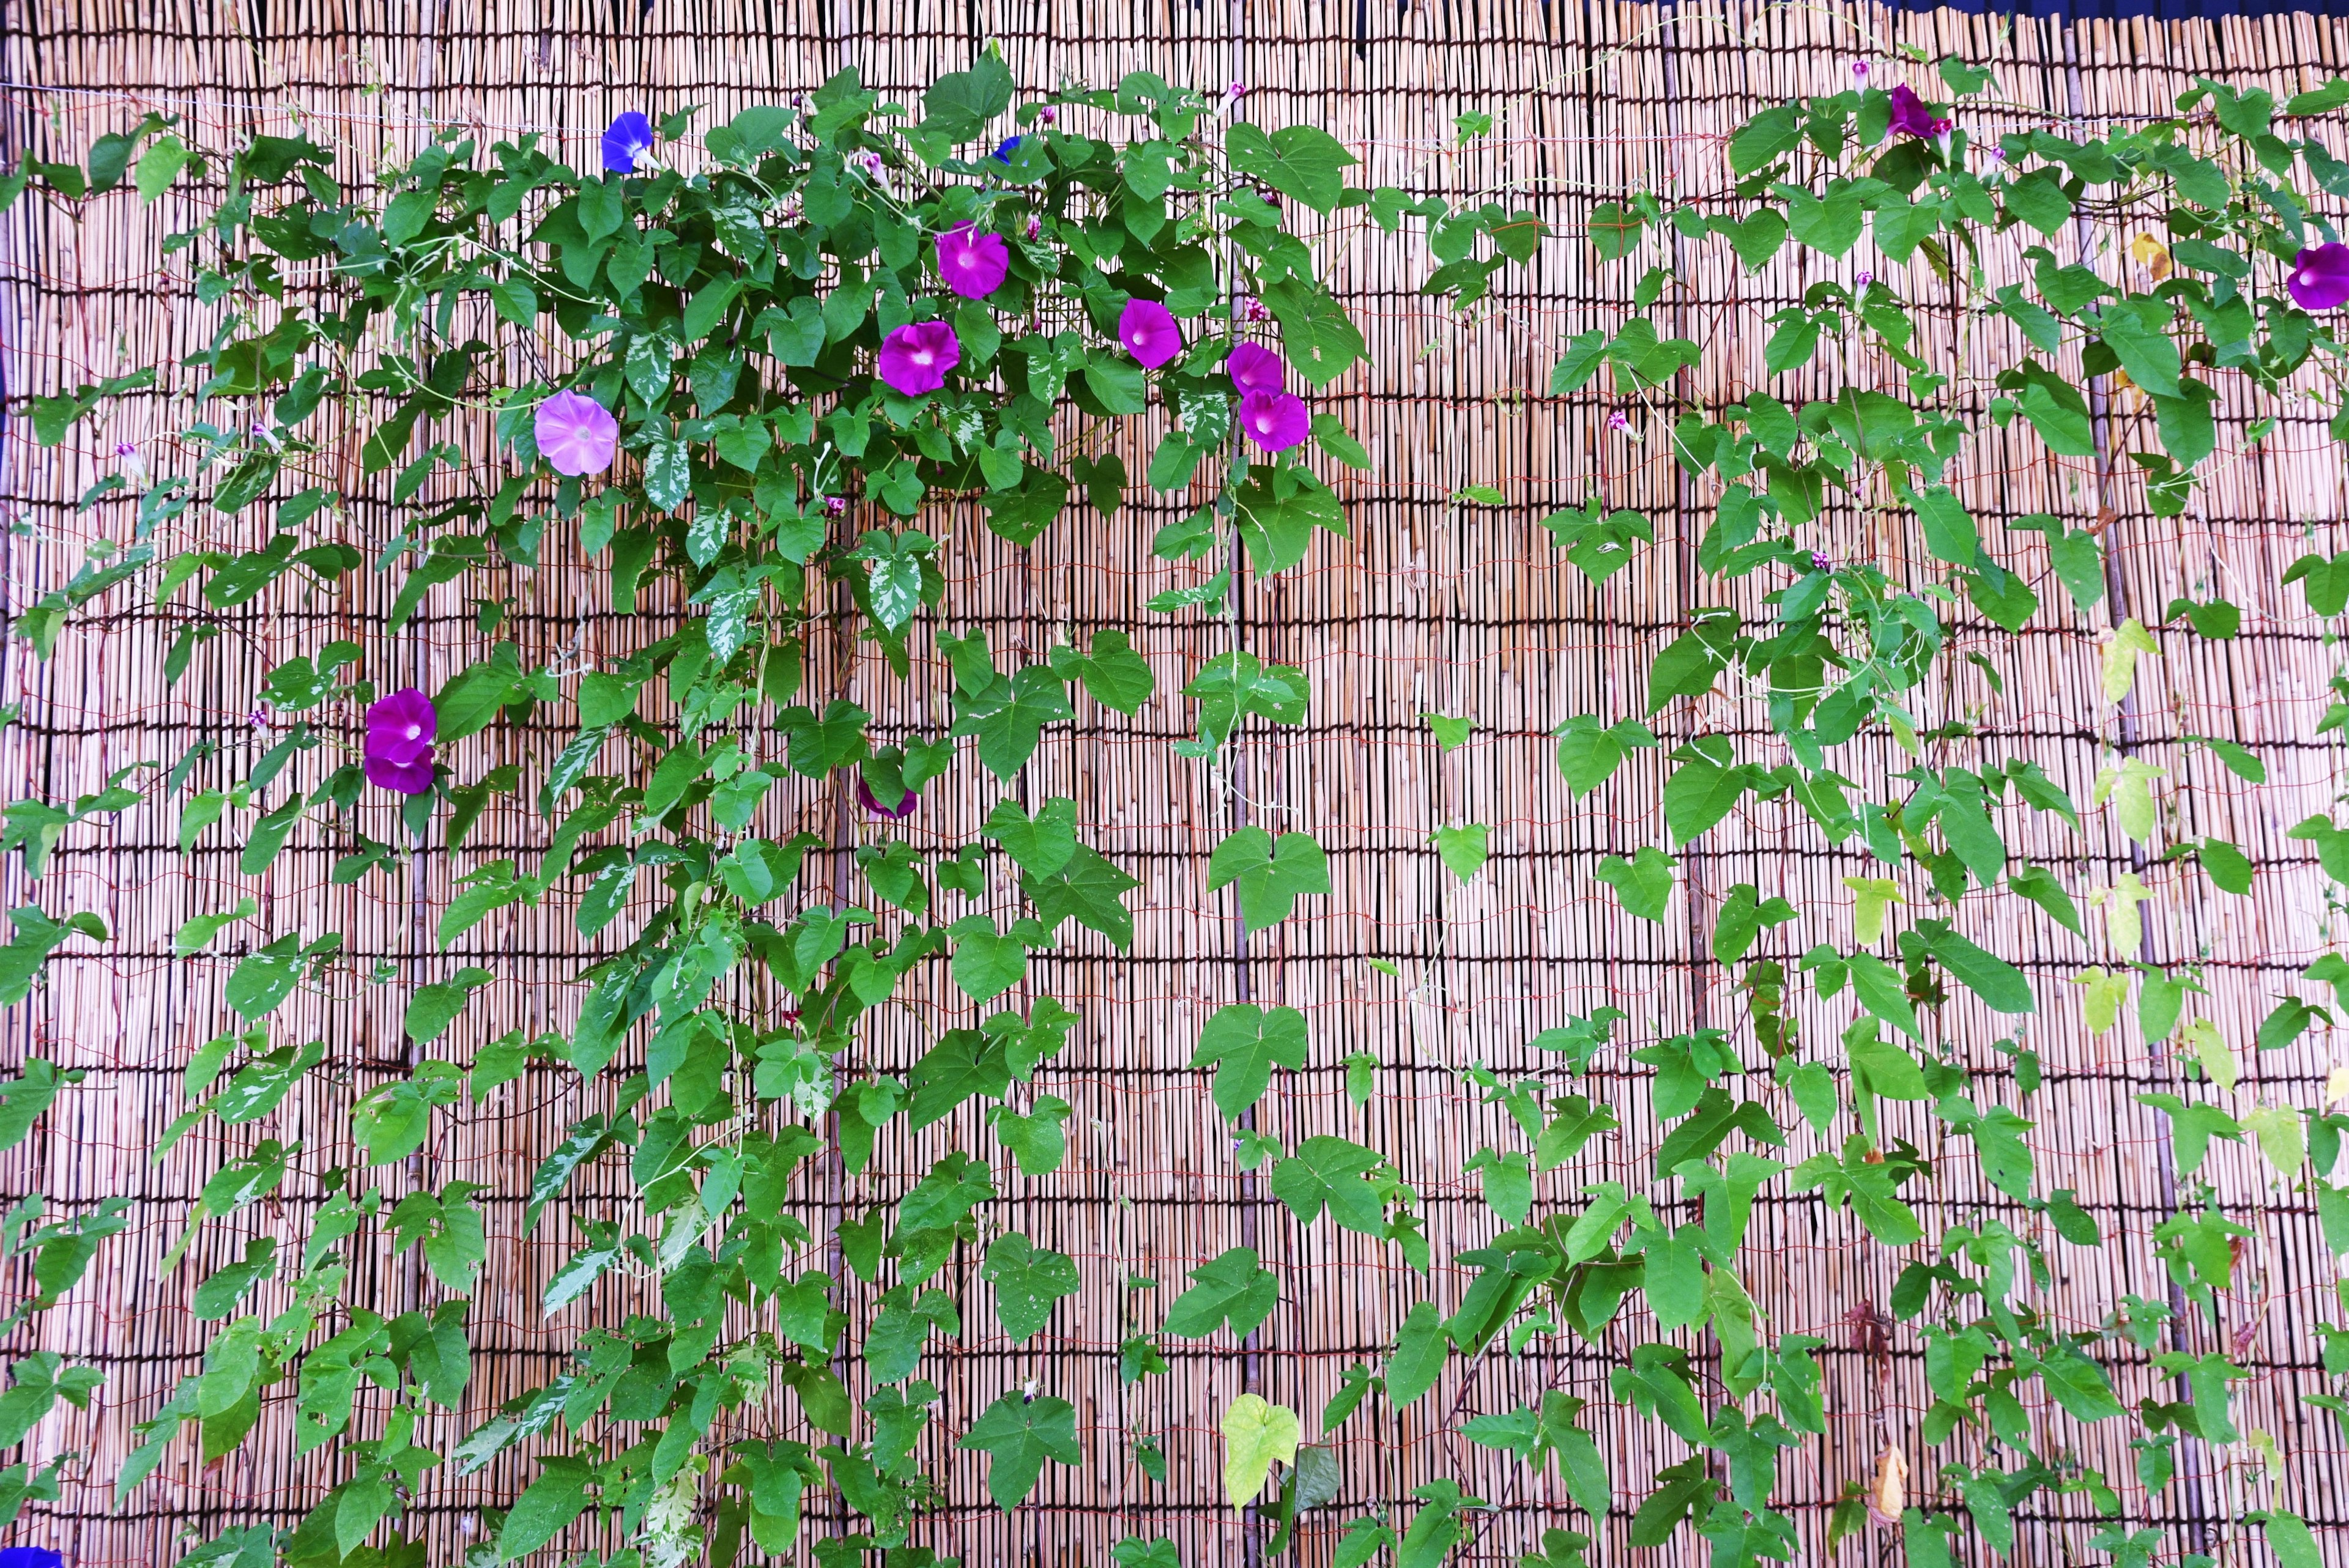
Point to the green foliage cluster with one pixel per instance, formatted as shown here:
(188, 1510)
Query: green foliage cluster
(727, 305)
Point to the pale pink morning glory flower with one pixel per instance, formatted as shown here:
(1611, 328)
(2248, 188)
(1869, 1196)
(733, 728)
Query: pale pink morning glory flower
(577, 434)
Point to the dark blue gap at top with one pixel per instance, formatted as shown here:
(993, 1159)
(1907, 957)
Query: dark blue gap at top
(2111, 10)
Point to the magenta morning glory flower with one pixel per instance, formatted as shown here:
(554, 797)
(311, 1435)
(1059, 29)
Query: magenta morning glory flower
(399, 731)
(1253, 367)
(2320, 277)
(918, 356)
(577, 434)
(627, 139)
(1149, 332)
(1275, 420)
(871, 802)
(1909, 115)
(973, 264)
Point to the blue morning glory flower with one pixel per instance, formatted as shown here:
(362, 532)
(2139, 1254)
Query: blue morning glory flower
(1003, 154)
(629, 138)
(31, 1557)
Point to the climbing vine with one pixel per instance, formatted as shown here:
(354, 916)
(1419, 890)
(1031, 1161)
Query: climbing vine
(745, 375)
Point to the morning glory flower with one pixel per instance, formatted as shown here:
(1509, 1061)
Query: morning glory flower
(1253, 367)
(2320, 277)
(1149, 332)
(577, 434)
(399, 731)
(1004, 149)
(918, 356)
(871, 802)
(31, 1557)
(625, 140)
(1909, 115)
(1275, 420)
(972, 263)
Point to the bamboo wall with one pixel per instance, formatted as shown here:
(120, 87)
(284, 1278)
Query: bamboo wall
(1433, 604)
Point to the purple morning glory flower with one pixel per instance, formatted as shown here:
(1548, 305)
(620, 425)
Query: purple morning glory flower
(627, 139)
(1003, 151)
(871, 802)
(973, 264)
(1149, 332)
(1275, 420)
(1909, 115)
(2320, 277)
(918, 356)
(1253, 367)
(399, 730)
(577, 434)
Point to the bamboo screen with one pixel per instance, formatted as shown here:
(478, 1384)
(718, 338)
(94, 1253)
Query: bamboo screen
(1433, 603)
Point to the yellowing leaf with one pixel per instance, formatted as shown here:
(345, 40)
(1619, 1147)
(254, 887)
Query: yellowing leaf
(2151, 254)
(1888, 1493)
(2283, 1135)
(1872, 896)
(2123, 924)
(1258, 1433)
(2212, 1050)
(2105, 995)
(2129, 787)
(2336, 1087)
(2121, 655)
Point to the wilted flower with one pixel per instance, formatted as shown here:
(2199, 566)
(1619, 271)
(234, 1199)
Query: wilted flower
(1253, 367)
(1047, 115)
(577, 434)
(1821, 562)
(1149, 332)
(1275, 420)
(398, 751)
(1619, 420)
(1909, 115)
(871, 161)
(834, 505)
(1859, 69)
(134, 466)
(871, 802)
(2320, 277)
(1035, 226)
(918, 356)
(1863, 280)
(625, 140)
(972, 263)
(1236, 91)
